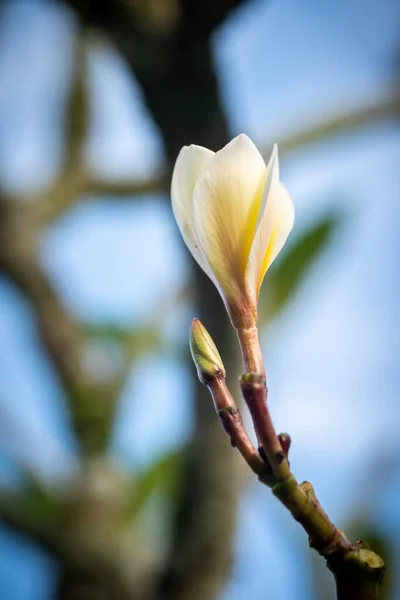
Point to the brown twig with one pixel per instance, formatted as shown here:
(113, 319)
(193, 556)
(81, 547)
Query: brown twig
(232, 423)
(254, 392)
(358, 571)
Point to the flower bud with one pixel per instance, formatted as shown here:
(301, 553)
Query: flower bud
(204, 353)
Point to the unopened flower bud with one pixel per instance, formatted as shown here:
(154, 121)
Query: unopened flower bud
(204, 353)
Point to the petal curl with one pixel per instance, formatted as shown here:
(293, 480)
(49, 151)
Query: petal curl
(227, 198)
(188, 167)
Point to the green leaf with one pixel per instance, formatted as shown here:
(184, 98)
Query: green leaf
(163, 476)
(42, 502)
(132, 343)
(34, 510)
(286, 276)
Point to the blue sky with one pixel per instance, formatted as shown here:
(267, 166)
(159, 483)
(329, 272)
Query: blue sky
(332, 356)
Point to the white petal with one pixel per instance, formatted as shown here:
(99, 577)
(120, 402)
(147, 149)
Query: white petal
(227, 199)
(266, 220)
(282, 225)
(284, 222)
(188, 166)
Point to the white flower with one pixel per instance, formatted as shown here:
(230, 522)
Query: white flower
(234, 216)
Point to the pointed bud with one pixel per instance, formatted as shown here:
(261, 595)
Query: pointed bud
(204, 353)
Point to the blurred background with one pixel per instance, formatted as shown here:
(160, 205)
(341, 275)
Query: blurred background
(116, 480)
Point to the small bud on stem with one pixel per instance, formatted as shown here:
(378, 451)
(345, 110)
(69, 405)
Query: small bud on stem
(204, 353)
(211, 373)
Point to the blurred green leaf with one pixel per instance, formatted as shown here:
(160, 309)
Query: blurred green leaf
(35, 510)
(286, 276)
(163, 476)
(33, 496)
(42, 502)
(133, 343)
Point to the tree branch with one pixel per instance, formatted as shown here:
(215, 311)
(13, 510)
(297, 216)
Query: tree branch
(358, 571)
(79, 182)
(90, 406)
(343, 123)
(51, 205)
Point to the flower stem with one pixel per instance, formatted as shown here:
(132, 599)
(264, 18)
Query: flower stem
(251, 352)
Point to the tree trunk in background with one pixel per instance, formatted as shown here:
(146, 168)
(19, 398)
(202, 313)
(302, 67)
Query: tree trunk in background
(92, 583)
(185, 104)
(177, 76)
(76, 585)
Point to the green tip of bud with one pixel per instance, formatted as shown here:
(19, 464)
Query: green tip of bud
(204, 353)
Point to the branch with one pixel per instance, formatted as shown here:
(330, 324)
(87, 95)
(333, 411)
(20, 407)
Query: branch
(254, 392)
(69, 185)
(232, 423)
(77, 182)
(90, 405)
(358, 571)
(341, 124)
(70, 189)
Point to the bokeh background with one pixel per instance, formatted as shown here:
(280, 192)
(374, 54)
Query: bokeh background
(116, 480)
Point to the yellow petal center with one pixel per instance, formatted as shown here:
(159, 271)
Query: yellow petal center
(249, 231)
